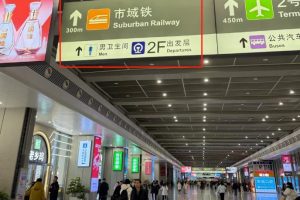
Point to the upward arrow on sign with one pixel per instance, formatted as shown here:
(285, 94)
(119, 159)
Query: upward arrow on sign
(75, 16)
(231, 5)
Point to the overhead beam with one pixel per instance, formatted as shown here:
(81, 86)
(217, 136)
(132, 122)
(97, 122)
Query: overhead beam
(232, 124)
(215, 133)
(211, 72)
(209, 141)
(272, 113)
(200, 100)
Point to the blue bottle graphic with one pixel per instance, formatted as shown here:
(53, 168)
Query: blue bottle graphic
(30, 38)
(7, 31)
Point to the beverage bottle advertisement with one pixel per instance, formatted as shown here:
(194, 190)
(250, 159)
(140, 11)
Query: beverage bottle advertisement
(24, 30)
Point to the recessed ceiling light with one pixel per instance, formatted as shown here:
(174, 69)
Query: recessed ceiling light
(203, 144)
(203, 136)
(169, 105)
(49, 122)
(205, 94)
(239, 144)
(261, 141)
(298, 116)
(256, 144)
(246, 137)
(248, 93)
(176, 120)
(273, 133)
(294, 119)
(246, 151)
(251, 148)
(232, 151)
(204, 129)
(280, 103)
(204, 104)
(158, 81)
(175, 117)
(186, 144)
(255, 78)
(183, 136)
(203, 148)
(292, 92)
(265, 59)
(204, 109)
(189, 151)
(263, 119)
(204, 120)
(206, 80)
(0, 102)
(151, 64)
(204, 117)
(164, 94)
(267, 116)
(206, 61)
(279, 129)
(268, 137)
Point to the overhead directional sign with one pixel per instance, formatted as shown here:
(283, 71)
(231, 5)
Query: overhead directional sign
(249, 26)
(119, 29)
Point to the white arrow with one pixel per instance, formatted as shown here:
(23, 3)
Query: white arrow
(231, 4)
(75, 16)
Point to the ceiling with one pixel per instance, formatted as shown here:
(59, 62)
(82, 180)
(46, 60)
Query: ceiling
(215, 116)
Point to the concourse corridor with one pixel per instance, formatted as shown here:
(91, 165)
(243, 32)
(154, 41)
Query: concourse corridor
(209, 194)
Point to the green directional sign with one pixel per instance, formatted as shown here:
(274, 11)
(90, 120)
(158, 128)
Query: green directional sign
(135, 165)
(118, 161)
(259, 9)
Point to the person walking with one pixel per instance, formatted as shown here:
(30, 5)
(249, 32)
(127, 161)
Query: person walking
(235, 188)
(185, 187)
(54, 188)
(221, 190)
(103, 190)
(154, 190)
(164, 192)
(37, 191)
(126, 190)
(289, 193)
(138, 192)
(117, 191)
(179, 186)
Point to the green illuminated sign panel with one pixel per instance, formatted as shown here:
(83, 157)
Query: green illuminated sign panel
(37, 144)
(135, 165)
(118, 161)
(259, 9)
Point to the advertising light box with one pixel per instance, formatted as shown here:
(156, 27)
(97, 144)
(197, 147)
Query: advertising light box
(84, 153)
(148, 167)
(117, 161)
(265, 184)
(135, 165)
(95, 164)
(24, 30)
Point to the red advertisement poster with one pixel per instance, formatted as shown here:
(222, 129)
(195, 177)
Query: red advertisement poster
(186, 169)
(95, 163)
(148, 167)
(24, 30)
(246, 171)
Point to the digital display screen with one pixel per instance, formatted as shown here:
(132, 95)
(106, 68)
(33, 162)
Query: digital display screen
(265, 184)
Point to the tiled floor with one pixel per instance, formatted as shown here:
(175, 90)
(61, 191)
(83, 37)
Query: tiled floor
(208, 194)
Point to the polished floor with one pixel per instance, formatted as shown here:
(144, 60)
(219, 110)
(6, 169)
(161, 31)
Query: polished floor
(208, 194)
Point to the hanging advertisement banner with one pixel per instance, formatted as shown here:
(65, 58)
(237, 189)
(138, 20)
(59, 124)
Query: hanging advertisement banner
(148, 167)
(95, 164)
(25, 30)
(117, 161)
(162, 170)
(246, 171)
(186, 169)
(287, 164)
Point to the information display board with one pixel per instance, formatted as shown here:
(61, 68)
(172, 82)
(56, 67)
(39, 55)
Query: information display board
(24, 30)
(249, 26)
(121, 29)
(265, 184)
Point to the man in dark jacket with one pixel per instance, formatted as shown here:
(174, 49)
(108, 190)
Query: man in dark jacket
(54, 188)
(138, 192)
(103, 190)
